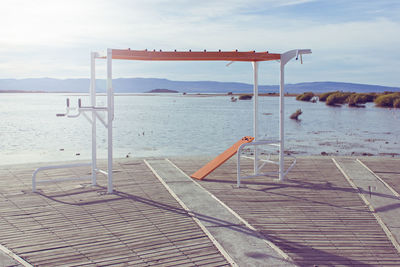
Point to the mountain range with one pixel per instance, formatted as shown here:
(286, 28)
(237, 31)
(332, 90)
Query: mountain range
(142, 85)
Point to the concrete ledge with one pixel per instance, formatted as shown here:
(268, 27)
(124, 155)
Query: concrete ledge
(9, 259)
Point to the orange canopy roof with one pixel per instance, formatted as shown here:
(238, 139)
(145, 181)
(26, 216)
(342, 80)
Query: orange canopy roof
(195, 55)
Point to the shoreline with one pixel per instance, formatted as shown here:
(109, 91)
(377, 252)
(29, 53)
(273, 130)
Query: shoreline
(146, 94)
(37, 164)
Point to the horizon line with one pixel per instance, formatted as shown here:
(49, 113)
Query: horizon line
(359, 83)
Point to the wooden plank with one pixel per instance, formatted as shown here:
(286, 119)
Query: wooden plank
(66, 225)
(315, 216)
(220, 159)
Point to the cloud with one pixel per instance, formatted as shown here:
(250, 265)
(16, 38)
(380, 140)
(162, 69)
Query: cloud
(293, 2)
(54, 38)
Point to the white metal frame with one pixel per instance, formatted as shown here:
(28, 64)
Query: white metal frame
(95, 110)
(266, 159)
(284, 59)
(35, 182)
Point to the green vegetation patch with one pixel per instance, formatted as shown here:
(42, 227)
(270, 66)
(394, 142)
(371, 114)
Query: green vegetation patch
(353, 99)
(337, 98)
(356, 100)
(391, 100)
(324, 96)
(307, 96)
(396, 103)
(245, 97)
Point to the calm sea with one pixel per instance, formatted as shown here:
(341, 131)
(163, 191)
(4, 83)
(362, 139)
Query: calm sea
(170, 125)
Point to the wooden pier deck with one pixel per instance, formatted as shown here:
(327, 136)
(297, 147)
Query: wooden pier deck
(70, 224)
(388, 170)
(315, 216)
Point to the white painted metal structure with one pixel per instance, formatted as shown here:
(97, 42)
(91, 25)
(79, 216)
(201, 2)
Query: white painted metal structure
(144, 55)
(285, 58)
(262, 161)
(96, 114)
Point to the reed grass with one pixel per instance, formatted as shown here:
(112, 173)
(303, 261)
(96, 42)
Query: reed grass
(307, 96)
(390, 100)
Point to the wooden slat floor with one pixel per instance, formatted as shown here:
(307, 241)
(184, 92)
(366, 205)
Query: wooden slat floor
(74, 224)
(315, 216)
(387, 169)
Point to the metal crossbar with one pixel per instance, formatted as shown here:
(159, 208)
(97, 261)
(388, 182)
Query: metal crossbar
(264, 161)
(34, 182)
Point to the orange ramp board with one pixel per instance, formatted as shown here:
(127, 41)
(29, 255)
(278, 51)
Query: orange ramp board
(220, 159)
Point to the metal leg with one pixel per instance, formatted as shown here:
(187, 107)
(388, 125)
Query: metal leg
(255, 115)
(282, 124)
(110, 107)
(93, 103)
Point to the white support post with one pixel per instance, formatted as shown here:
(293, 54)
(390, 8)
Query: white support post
(255, 115)
(285, 58)
(110, 113)
(282, 122)
(93, 104)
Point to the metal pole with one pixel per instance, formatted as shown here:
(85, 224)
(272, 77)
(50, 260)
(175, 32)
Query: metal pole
(255, 115)
(93, 104)
(285, 58)
(282, 123)
(110, 113)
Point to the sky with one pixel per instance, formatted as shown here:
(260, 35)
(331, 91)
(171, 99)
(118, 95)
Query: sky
(352, 41)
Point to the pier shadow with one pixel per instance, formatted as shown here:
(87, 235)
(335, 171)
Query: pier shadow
(387, 172)
(272, 187)
(308, 256)
(301, 254)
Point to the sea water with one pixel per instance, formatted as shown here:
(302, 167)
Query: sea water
(177, 125)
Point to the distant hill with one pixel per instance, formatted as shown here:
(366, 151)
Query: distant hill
(162, 91)
(321, 87)
(141, 85)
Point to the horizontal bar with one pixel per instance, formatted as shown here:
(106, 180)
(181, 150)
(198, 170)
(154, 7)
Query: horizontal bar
(65, 179)
(193, 55)
(263, 160)
(62, 166)
(260, 174)
(101, 171)
(53, 167)
(93, 108)
(259, 143)
(269, 161)
(274, 144)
